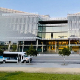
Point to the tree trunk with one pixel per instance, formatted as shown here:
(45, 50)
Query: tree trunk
(29, 60)
(64, 60)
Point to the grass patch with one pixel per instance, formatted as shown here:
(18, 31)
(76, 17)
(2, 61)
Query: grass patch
(37, 76)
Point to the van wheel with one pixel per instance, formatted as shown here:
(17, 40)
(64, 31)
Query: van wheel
(3, 61)
(24, 61)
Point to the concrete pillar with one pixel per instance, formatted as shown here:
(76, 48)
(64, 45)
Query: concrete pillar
(69, 43)
(37, 44)
(17, 46)
(23, 46)
(9, 45)
(55, 46)
(42, 46)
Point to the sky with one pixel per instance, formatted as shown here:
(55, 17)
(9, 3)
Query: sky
(54, 8)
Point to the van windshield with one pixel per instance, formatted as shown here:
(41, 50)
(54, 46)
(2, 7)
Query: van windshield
(25, 55)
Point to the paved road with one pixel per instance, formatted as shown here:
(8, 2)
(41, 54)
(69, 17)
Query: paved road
(73, 61)
(56, 59)
(41, 65)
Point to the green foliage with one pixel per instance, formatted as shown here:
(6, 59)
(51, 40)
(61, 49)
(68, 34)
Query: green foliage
(60, 52)
(14, 47)
(31, 51)
(70, 48)
(1, 52)
(37, 76)
(3, 47)
(65, 52)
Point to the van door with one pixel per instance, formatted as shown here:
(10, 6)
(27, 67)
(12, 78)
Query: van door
(19, 58)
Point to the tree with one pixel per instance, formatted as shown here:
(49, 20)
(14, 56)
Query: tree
(1, 52)
(65, 52)
(14, 47)
(70, 48)
(31, 51)
(3, 47)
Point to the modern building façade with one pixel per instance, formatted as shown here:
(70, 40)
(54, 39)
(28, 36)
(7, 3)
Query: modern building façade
(46, 34)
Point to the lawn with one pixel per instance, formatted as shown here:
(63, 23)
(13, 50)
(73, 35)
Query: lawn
(37, 76)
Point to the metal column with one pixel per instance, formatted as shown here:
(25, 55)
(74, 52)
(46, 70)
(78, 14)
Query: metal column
(42, 46)
(55, 46)
(23, 46)
(9, 45)
(69, 43)
(17, 46)
(37, 45)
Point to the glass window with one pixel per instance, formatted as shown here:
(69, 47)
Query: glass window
(25, 55)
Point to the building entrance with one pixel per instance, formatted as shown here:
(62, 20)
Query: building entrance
(55, 46)
(51, 48)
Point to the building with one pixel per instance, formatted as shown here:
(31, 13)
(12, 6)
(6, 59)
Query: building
(46, 34)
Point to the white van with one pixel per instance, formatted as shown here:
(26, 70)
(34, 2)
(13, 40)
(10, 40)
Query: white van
(16, 57)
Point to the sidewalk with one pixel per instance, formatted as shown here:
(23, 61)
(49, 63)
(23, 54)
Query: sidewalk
(41, 70)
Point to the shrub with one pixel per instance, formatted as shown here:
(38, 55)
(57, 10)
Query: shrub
(1, 52)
